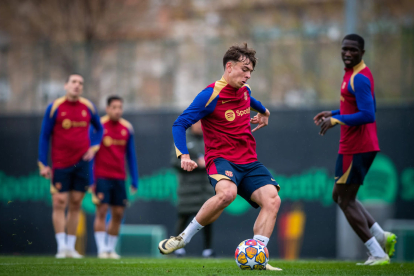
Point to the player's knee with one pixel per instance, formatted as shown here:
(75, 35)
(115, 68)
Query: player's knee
(273, 203)
(343, 203)
(75, 205)
(59, 202)
(227, 197)
(101, 213)
(117, 215)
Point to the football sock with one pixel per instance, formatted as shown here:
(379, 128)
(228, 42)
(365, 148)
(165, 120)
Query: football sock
(71, 242)
(112, 240)
(61, 241)
(263, 239)
(191, 230)
(374, 248)
(100, 241)
(378, 233)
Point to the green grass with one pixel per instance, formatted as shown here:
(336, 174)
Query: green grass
(171, 266)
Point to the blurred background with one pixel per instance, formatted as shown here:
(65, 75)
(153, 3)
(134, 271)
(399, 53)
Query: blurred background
(158, 55)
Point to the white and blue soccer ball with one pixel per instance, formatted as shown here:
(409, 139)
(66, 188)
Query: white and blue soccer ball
(251, 255)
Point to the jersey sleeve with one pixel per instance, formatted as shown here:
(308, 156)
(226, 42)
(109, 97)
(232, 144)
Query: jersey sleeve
(45, 133)
(202, 106)
(96, 133)
(365, 103)
(255, 104)
(132, 160)
(335, 112)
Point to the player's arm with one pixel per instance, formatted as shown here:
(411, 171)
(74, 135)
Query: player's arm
(261, 118)
(45, 133)
(365, 103)
(95, 134)
(202, 105)
(132, 162)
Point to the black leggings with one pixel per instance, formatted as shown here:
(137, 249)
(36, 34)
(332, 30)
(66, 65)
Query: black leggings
(182, 224)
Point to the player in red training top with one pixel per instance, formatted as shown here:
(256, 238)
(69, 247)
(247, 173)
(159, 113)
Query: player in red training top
(358, 147)
(67, 122)
(230, 149)
(109, 172)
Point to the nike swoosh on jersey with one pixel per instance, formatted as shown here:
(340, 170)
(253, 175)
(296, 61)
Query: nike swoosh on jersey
(223, 102)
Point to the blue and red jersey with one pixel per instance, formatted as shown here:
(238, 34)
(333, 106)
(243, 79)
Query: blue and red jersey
(68, 122)
(224, 112)
(117, 143)
(357, 112)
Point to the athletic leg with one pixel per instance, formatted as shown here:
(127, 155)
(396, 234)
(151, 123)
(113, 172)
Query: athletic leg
(117, 212)
(60, 201)
(345, 194)
(367, 215)
(99, 228)
(75, 200)
(268, 199)
(226, 192)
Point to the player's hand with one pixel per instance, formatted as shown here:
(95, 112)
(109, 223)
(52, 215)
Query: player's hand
(89, 155)
(320, 117)
(326, 124)
(46, 172)
(133, 190)
(201, 162)
(261, 119)
(187, 164)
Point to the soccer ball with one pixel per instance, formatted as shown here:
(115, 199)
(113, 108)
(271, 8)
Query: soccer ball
(251, 255)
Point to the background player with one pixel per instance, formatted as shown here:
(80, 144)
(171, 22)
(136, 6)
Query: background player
(194, 188)
(231, 159)
(67, 121)
(109, 171)
(358, 147)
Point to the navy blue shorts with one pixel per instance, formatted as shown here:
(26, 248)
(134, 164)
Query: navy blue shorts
(352, 168)
(73, 178)
(247, 177)
(110, 191)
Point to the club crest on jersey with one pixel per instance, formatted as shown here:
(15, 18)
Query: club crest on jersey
(84, 113)
(230, 115)
(229, 173)
(123, 132)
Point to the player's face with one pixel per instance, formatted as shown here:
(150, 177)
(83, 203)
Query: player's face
(74, 86)
(351, 53)
(239, 72)
(114, 110)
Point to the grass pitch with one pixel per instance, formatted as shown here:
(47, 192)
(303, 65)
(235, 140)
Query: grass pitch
(187, 266)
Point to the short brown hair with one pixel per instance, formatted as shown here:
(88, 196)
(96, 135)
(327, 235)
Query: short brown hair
(235, 52)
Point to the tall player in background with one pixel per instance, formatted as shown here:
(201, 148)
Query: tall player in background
(231, 160)
(358, 147)
(109, 172)
(67, 121)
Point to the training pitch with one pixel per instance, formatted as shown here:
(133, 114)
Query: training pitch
(186, 266)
